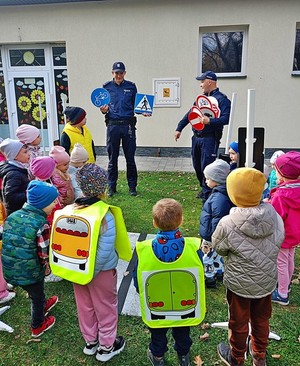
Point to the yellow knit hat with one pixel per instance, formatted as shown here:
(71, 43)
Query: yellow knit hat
(245, 186)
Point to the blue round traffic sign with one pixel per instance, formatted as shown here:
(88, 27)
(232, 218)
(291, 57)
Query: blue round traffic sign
(100, 97)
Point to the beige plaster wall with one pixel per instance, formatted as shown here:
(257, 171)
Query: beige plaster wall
(160, 39)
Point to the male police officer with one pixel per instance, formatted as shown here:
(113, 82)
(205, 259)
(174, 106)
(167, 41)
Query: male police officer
(205, 143)
(120, 122)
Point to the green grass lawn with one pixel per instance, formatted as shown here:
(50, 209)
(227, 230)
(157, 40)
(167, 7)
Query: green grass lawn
(63, 344)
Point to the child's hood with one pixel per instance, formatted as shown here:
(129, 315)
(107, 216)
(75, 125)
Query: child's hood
(255, 222)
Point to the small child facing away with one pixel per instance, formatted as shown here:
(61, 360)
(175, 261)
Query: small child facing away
(97, 301)
(14, 173)
(61, 178)
(170, 251)
(234, 154)
(272, 180)
(217, 205)
(30, 135)
(78, 158)
(77, 131)
(249, 239)
(285, 198)
(26, 247)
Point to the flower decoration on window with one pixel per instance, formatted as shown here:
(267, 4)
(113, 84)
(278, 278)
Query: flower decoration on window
(36, 113)
(35, 96)
(24, 103)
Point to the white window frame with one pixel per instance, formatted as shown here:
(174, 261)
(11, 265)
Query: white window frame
(216, 29)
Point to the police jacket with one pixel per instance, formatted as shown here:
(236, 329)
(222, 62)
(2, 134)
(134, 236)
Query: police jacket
(216, 124)
(122, 98)
(15, 182)
(20, 261)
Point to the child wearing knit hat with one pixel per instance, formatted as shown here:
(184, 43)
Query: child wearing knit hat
(43, 168)
(272, 180)
(78, 158)
(215, 207)
(14, 173)
(285, 198)
(61, 178)
(234, 154)
(77, 131)
(97, 301)
(30, 135)
(249, 239)
(28, 228)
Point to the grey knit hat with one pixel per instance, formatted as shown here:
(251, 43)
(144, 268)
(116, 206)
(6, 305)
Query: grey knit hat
(11, 148)
(217, 171)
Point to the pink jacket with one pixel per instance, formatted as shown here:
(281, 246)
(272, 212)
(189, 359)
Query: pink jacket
(286, 200)
(63, 183)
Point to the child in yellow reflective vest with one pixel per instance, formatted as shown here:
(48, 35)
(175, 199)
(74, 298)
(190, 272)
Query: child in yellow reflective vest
(97, 301)
(170, 262)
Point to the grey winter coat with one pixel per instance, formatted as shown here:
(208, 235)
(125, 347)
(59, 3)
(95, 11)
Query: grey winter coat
(250, 239)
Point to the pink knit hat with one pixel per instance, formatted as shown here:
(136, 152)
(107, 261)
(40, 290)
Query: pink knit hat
(288, 165)
(27, 133)
(59, 154)
(42, 167)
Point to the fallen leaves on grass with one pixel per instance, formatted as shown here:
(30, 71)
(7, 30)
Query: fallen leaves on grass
(33, 340)
(299, 339)
(204, 337)
(205, 326)
(276, 357)
(198, 361)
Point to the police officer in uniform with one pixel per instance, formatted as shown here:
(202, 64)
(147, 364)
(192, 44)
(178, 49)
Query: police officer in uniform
(205, 143)
(120, 122)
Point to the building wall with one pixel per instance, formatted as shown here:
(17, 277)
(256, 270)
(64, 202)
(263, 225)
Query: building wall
(157, 39)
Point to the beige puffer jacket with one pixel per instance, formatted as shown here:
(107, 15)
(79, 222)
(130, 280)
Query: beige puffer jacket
(250, 239)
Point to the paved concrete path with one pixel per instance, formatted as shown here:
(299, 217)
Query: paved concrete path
(157, 164)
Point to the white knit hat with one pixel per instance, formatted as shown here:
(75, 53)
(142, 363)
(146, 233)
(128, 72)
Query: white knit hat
(276, 155)
(79, 154)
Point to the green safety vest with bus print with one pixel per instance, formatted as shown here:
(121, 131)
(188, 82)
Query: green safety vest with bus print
(74, 240)
(172, 294)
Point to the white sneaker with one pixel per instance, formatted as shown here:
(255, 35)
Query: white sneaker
(9, 287)
(7, 298)
(52, 278)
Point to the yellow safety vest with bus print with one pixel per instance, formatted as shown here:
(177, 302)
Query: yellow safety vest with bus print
(172, 294)
(74, 240)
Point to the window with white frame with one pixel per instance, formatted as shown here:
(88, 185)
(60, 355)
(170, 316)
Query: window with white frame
(296, 59)
(223, 50)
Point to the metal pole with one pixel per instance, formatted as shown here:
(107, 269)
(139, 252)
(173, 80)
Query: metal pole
(230, 123)
(250, 129)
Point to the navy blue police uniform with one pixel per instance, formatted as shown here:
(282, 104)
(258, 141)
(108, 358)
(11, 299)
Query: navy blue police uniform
(205, 143)
(120, 122)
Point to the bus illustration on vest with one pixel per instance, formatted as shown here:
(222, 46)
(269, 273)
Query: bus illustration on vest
(171, 293)
(71, 240)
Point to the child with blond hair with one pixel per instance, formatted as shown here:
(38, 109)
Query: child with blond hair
(78, 158)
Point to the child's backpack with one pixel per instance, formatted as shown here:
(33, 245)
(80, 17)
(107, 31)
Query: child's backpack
(74, 240)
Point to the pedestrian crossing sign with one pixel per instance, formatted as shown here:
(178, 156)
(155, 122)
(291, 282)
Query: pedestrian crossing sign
(143, 104)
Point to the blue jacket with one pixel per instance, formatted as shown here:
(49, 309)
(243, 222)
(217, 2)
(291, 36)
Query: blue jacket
(216, 124)
(122, 98)
(217, 205)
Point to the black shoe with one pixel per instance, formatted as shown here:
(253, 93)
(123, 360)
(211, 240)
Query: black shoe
(132, 192)
(210, 283)
(199, 195)
(104, 354)
(184, 360)
(111, 191)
